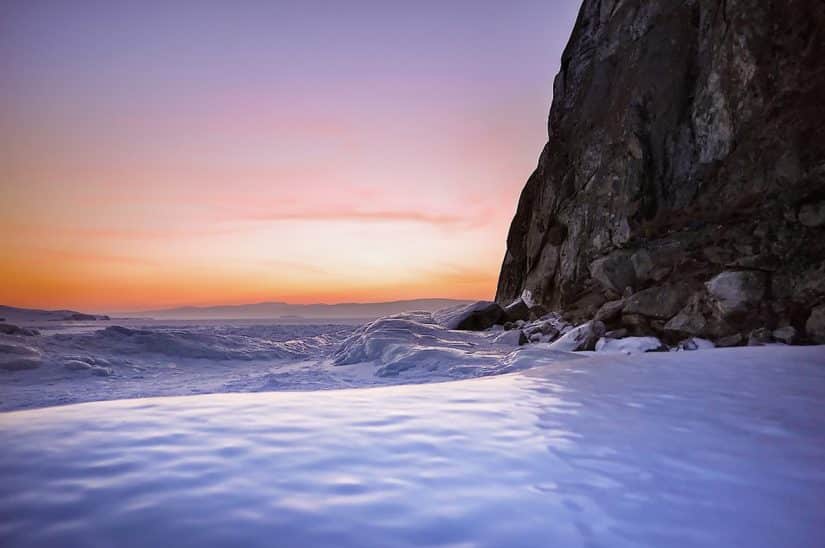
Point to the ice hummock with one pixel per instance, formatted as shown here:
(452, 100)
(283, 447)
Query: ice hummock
(165, 359)
(111, 361)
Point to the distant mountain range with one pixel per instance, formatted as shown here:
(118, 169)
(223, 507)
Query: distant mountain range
(259, 311)
(14, 314)
(279, 310)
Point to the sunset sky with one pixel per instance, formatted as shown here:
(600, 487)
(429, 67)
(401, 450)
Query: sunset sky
(165, 153)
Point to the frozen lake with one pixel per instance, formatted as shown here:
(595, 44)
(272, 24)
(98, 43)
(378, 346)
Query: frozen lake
(715, 448)
(73, 362)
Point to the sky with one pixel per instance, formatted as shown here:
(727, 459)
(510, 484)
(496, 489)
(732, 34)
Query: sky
(158, 154)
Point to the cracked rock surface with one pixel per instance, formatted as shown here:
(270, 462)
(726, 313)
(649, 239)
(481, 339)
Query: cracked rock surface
(685, 141)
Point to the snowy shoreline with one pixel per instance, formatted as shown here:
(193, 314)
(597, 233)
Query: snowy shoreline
(74, 363)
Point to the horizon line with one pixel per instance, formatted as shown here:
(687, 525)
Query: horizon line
(238, 305)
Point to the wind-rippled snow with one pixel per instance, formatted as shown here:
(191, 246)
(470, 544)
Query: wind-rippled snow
(716, 448)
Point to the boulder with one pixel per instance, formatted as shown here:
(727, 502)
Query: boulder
(690, 321)
(643, 266)
(546, 327)
(474, 317)
(541, 338)
(736, 292)
(804, 286)
(760, 337)
(614, 272)
(583, 337)
(585, 307)
(660, 302)
(537, 312)
(731, 340)
(517, 310)
(514, 337)
(610, 311)
(812, 215)
(636, 324)
(815, 326)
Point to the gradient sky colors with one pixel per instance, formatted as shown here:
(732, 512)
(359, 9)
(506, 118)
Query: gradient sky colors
(164, 153)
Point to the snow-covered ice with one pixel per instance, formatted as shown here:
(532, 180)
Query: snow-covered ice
(75, 363)
(722, 447)
(716, 448)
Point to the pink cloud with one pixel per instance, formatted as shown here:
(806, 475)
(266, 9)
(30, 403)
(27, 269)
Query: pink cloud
(112, 233)
(363, 216)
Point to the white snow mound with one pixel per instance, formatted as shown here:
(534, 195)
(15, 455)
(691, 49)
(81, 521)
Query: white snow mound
(630, 345)
(414, 344)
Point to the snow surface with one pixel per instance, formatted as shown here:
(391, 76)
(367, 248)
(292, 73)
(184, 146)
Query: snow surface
(99, 360)
(631, 345)
(73, 362)
(716, 448)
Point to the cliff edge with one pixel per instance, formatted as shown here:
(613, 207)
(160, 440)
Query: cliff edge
(682, 188)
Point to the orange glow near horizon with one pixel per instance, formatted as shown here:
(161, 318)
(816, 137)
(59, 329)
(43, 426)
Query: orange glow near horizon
(143, 167)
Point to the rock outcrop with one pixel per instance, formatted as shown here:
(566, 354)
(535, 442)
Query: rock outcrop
(684, 172)
(473, 317)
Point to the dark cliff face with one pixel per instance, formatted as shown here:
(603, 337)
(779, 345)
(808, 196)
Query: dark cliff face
(686, 139)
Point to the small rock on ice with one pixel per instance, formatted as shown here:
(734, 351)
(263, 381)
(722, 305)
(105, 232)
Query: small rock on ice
(583, 337)
(695, 343)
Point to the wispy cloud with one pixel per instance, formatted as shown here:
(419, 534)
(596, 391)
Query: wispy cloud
(379, 216)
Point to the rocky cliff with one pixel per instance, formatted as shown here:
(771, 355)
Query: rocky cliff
(682, 188)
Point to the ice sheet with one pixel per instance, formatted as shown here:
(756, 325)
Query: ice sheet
(716, 448)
